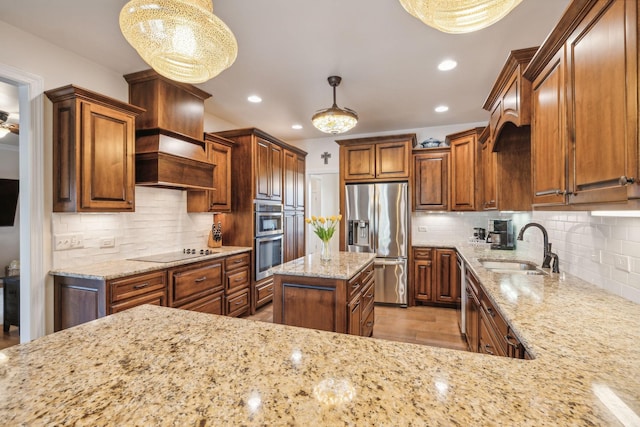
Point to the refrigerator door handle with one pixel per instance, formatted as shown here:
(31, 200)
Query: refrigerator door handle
(382, 263)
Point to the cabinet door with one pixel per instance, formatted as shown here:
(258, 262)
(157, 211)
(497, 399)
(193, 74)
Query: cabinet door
(602, 100)
(264, 292)
(276, 172)
(220, 197)
(107, 159)
(289, 238)
(77, 301)
(299, 235)
(463, 170)
(300, 182)
(264, 175)
(446, 290)
(431, 181)
(472, 313)
(290, 177)
(354, 316)
(358, 161)
(423, 280)
(489, 193)
(392, 160)
(548, 136)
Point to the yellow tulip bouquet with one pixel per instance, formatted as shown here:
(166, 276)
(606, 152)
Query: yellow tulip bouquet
(324, 227)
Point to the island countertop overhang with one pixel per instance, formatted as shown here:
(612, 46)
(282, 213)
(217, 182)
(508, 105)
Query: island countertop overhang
(342, 266)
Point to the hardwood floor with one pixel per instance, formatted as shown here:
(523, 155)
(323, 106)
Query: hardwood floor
(434, 326)
(7, 339)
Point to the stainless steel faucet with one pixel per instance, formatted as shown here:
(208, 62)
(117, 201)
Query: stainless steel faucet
(548, 255)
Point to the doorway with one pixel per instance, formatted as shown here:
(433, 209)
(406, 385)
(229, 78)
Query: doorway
(323, 194)
(33, 267)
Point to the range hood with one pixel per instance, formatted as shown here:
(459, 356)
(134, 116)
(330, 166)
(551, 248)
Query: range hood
(170, 147)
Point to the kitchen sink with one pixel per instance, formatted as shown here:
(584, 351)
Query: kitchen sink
(511, 267)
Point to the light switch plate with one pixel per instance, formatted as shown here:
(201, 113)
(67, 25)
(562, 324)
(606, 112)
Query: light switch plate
(422, 229)
(107, 242)
(622, 262)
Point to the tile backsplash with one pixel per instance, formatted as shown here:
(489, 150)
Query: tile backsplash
(159, 224)
(588, 247)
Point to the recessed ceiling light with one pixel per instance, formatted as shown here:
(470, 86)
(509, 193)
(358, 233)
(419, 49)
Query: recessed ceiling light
(447, 64)
(296, 127)
(441, 109)
(254, 98)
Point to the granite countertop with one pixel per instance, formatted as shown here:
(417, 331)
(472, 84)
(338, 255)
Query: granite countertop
(343, 265)
(126, 267)
(162, 366)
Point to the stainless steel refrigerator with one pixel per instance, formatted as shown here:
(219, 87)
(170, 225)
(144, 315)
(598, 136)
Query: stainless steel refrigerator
(377, 222)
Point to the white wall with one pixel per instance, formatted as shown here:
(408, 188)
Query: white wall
(9, 236)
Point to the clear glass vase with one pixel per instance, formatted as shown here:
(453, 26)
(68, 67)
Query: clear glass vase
(325, 253)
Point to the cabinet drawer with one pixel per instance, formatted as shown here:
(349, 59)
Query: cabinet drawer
(368, 297)
(264, 293)
(367, 323)
(188, 284)
(130, 287)
(236, 261)
(496, 321)
(422, 253)
(153, 298)
(353, 286)
(238, 303)
(237, 279)
(212, 304)
(488, 343)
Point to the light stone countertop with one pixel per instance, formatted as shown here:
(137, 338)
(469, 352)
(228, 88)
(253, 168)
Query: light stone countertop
(343, 265)
(127, 267)
(162, 366)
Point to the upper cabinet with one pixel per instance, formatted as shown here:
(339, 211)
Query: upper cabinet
(384, 158)
(585, 107)
(268, 177)
(93, 151)
(218, 199)
(293, 180)
(489, 161)
(431, 179)
(465, 170)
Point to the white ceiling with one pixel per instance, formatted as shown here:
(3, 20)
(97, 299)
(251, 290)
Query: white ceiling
(288, 48)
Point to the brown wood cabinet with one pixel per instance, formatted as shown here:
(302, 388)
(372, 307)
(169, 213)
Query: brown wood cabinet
(384, 158)
(588, 68)
(218, 199)
(294, 193)
(489, 176)
(431, 180)
(465, 170)
(217, 286)
(434, 276)
(268, 170)
(294, 235)
(263, 292)
(336, 305)
(93, 151)
(472, 312)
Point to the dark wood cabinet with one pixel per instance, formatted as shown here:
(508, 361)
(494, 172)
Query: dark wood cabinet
(294, 193)
(585, 82)
(217, 286)
(93, 151)
(218, 199)
(384, 158)
(434, 276)
(489, 176)
(472, 312)
(431, 180)
(336, 305)
(268, 170)
(263, 293)
(465, 170)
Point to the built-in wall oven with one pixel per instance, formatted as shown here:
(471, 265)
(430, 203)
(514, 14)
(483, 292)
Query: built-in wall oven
(269, 237)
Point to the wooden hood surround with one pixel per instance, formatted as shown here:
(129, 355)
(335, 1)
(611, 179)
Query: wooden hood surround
(170, 147)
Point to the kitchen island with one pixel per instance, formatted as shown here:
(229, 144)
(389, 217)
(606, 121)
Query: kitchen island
(335, 295)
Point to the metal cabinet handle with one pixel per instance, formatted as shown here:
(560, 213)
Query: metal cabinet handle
(129, 202)
(509, 339)
(624, 180)
(490, 311)
(486, 348)
(551, 192)
(239, 279)
(240, 303)
(202, 279)
(141, 285)
(369, 324)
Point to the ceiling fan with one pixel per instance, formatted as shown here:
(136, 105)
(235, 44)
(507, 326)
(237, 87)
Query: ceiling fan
(9, 123)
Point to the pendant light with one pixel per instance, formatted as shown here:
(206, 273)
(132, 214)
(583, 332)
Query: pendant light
(459, 16)
(335, 119)
(180, 39)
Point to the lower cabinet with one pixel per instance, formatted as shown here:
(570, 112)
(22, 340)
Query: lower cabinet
(435, 276)
(217, 286)
(486, 330)
(336, 305)
(263, 292)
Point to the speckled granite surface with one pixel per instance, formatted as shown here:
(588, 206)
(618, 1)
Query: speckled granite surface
(162, 366)
(343, 265)
(126, 267)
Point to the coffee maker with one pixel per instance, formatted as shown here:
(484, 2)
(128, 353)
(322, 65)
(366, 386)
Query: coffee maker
(500, 234)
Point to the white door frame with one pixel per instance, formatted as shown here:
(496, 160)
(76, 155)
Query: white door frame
(33, 277)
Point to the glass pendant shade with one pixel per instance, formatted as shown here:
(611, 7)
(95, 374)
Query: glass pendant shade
(459, 16)
(180, 39)
(335, 119)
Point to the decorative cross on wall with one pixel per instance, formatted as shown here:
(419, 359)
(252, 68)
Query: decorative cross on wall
(325, 156)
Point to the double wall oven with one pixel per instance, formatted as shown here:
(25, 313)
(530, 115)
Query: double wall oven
(269, 219)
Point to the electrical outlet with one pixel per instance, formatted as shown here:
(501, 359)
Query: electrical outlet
(107, 242)
(77, 241)
(596, 256)
(622, 262)
(422, 229)
(63, 242)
